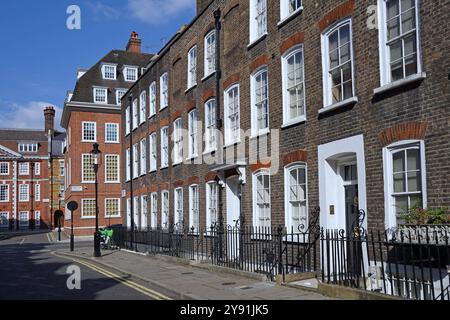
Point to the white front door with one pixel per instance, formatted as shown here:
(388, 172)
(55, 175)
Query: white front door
(233, 213)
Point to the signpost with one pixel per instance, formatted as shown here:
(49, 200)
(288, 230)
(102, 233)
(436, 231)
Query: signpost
(72, 206)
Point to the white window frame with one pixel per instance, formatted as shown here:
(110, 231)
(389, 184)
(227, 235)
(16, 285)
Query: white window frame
(96, 90)
(107, 128)
(165, 209)
(287, 121)
(152, 94)
(83, 173)
(4, 168)
(194, 208)
(37, 192)
(154, 210)
(4, 217)
(177, 141)
(7, 192)
(143, 156)
(193, 134)
(144, 211)
(326, 76)
(254, 114)
(128, 164)
(285, 8)
(126, 73)
(288, 214)
(127, 121)
(258, 19)
(210, 53)
(388, 151)
(119, 95)
(37, 217)
(256, 214)
(192, 68)
(22, 167)
(385, 70)
(83, 137)
(136, 161)
(136, 212)
(24, 222)
(24, 196)
(83, 215)
(153, 144)
(118, 168)
(164, 91)
(118, 208)
(178, 211)
(209, 208)
(229, 139)
(37, 168)
(143, 107)
(165, 147)
(210, 126)
(104, 73)
(135, 114)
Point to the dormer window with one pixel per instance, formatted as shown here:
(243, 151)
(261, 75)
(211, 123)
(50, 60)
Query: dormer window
(101, 95)
(109, 72)
(130, 73)
(119, 94)
(28, 147)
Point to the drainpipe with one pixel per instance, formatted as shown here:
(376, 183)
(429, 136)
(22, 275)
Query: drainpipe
(15, 191)
(130, 100)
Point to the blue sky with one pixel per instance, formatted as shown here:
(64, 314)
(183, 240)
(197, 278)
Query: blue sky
(40, 56)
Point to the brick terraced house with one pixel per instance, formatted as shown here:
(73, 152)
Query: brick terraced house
(25, 175)
(355, 115)
(92, 115)
(283, 113)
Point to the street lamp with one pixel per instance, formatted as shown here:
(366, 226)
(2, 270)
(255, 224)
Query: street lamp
(95, 153)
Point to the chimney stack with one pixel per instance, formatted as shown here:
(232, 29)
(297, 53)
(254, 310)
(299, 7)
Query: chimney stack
(49, 115)
(134, 44)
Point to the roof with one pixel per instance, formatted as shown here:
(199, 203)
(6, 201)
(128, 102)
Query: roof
(93, 77)
(22, 135)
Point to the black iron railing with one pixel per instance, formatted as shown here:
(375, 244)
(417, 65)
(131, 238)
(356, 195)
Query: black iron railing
(407, 262)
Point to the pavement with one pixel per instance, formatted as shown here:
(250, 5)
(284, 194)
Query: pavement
(186, 281)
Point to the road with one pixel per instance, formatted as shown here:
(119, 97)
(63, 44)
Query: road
(29, 269)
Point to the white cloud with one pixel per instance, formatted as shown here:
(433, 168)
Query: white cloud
(101, 9)
(159, 11)
(28, 116)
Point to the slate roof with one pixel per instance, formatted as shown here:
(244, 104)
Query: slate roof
(93, 77)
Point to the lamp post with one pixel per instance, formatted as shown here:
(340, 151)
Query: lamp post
(95, 155)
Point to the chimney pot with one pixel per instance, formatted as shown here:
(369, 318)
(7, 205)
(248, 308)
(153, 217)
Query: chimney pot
(134, 44)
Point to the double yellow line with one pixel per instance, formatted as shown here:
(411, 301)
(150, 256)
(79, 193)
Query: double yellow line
(131, 284)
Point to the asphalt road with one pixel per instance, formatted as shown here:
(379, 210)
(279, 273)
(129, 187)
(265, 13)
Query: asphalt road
(30, 270)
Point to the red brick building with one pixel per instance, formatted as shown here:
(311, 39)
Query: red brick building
(355, 115)
(92, 115)
(25, 175)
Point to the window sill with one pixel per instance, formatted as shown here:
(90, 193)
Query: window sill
(162, 108)
(209, 151)
(88, 141)
(288, 18)
(294, 122)
(88, 218)
(112, 142)
(400, 83)
(256, 41)
(339, 105)
(176, 163)
(231, 144)
(192, 157)
(262, 133)
(152, 116)
(190, 88)
(107, 217)
(112, 182)
(208, 76)
(163, 168)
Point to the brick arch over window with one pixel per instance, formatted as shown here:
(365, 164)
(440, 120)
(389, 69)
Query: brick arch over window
(164, 186)
(403, 131)
(258, 62)
(193, 180)
(174, 62)
(210, 27)
(154, 188)
(176, 115)
(295, 156)
(208, 94)
(234, 78)
(178, 183)
(295, 39)
(191, 105)
(260, 165)
(338, 13)
(210, 176)
(164, 122)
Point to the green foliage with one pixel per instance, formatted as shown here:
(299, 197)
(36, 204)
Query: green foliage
(420, 216)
